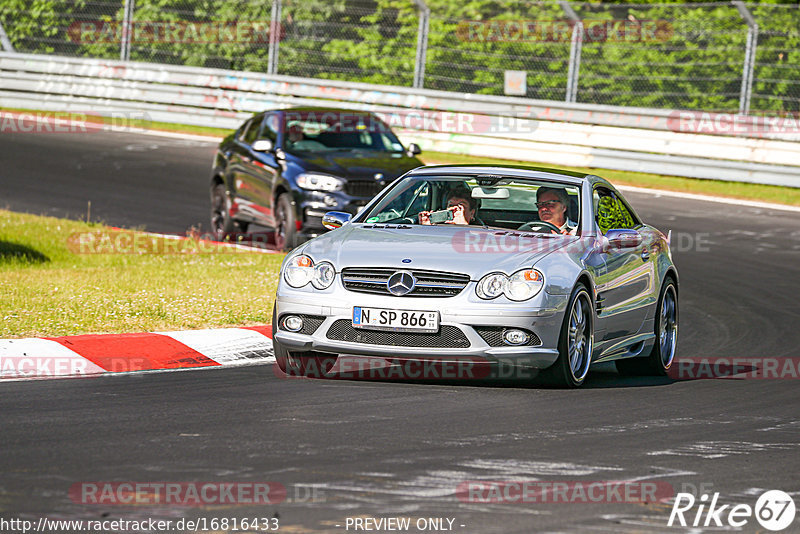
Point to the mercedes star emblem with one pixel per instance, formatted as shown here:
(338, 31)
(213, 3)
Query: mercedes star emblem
(401, 283)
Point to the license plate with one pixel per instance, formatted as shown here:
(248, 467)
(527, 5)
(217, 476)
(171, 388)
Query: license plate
(395, 320)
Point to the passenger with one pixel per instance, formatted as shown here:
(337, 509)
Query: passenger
(553, 203)
(461, 203)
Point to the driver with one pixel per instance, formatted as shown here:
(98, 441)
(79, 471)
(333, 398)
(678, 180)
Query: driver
(461, 203)
(552, 203)
(295, 133)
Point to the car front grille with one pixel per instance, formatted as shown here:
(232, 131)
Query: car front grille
(362, 188)
(429, 283)
(493, 336)
(449, 337)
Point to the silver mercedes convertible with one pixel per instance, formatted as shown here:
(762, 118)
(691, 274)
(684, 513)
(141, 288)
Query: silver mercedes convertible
(451, 269)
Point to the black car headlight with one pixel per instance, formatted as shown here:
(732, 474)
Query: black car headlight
(300, 270)
(319, 182)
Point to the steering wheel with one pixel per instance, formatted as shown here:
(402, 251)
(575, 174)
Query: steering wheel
(538, 226)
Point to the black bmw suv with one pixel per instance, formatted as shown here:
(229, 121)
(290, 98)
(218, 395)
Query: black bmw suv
(283, 170)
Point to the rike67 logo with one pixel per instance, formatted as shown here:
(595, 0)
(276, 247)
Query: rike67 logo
(774, 511)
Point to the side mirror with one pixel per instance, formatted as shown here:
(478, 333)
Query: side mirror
(335, 219)
(414, 149)
(263, 145)
(619, 238)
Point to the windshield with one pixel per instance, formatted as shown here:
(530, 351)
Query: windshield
(330, 131)
(510, 203)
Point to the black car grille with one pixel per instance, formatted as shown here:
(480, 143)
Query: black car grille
(493, 336)
(429, 283)
(448, 336)
(310, 323)
(362, 188)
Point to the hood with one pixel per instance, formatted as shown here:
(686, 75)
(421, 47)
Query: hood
(360, 163)
(471, 250)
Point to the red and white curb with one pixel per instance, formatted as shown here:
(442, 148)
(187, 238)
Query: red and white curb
(97, 354)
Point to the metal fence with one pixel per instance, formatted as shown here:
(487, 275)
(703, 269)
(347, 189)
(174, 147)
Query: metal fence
(721, 56)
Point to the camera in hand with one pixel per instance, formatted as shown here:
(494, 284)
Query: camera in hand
(441, 216)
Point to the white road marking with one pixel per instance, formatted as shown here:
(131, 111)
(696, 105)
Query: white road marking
(41, 358)
(227, 346)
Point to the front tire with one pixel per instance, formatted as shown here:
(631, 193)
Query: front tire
(285, 223)
(281, 354)
(313, 366)
(575, 343)
(659, 361)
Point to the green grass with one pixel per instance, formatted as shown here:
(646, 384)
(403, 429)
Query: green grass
(47, 289)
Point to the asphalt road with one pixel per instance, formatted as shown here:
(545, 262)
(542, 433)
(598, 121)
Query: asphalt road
(346, 449)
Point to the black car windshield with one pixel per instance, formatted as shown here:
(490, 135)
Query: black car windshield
(510, 203)
(330, 131)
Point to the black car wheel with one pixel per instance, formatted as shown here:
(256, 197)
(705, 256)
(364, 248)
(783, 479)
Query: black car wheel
(223, 226)
(285, 223)
(575, 343)
(659, 361)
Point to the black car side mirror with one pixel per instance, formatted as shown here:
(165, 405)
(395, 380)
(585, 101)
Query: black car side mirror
(263, 145)
(414, 149)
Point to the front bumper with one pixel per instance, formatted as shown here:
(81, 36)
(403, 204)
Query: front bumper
(456, 312)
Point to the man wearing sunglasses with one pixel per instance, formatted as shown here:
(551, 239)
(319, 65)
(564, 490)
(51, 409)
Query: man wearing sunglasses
(553, 203)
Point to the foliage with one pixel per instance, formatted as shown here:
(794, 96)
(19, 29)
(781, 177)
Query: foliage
(695, 61)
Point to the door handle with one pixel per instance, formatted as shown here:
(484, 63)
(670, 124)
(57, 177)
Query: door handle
(645, 254)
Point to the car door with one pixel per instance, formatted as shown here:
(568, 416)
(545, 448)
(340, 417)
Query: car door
(257, 170)
(262, 172)
(626, 289)
(239, 169)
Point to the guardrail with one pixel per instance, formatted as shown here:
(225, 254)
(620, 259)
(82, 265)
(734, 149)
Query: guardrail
(634, 139)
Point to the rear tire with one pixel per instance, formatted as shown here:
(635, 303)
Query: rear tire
(575, 343)
(223, 226)
(660, 359)
(285, 223)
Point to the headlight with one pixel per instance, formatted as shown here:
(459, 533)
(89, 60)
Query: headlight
(323, 275)
(299, 271)
(523, 285)
(319, 182)
(491, 286)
